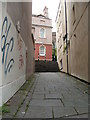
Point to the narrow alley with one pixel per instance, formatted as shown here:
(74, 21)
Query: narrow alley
(53, 95)
(44, 59)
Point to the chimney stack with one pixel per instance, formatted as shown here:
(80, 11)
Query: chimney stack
(45, 12)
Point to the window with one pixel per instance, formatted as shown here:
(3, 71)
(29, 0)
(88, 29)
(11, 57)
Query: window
(61, 63)
(74, 17)
(42, 33)
(42, 21)
(42, 50)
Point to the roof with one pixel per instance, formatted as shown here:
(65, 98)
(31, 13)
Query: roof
(58, 10)
(40, 15)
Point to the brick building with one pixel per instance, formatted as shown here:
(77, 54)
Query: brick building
(42, 30)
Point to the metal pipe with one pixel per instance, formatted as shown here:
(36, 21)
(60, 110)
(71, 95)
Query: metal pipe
(66, 34)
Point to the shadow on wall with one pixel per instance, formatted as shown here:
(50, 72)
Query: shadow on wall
(22, 12)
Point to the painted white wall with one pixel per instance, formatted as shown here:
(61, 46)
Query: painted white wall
(13, 73)
(0, 56)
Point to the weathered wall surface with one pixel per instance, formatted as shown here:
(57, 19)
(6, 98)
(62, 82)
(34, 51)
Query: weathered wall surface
(0, 45)
(0, 57)
(42, 21)
(61, 30)
(78, 36)
(47, 39)
(22, 12)
(13, 46)
(13, 58)
(77, 29)
(39, 23)
(88, 42)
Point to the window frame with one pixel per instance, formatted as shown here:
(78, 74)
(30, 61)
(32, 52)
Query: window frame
(74, 13)
(44, 33)
(40, 50)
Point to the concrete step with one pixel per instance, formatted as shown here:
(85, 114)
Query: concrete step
(46, 66)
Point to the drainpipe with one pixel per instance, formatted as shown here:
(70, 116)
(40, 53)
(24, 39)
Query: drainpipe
(66, 34)
(38, 56)
(54, 51)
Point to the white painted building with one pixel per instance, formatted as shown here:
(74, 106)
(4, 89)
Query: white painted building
(13, 55)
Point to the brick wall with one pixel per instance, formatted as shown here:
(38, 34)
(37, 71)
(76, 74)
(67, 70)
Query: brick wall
(48, 52)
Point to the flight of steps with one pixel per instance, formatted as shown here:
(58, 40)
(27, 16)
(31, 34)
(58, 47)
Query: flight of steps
(46, 66)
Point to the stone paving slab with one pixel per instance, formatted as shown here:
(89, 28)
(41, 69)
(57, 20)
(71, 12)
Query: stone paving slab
(38, 96)
(39, 89)
(53, 95)
(39, 112)
(78, 116)
(13, 104)
(21, 112)
(79, 103)
(63, 111)
(45, 103)
(81, 110)
(17, 100)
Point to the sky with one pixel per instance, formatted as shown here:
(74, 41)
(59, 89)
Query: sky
(38, 6)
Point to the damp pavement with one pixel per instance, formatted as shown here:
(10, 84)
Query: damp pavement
(49, 95)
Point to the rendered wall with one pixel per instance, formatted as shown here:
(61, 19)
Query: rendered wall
(61, 31)
(0, 56)
(13, 58)
(22, 12)
(47, 25)
(77, 29)
(78, 56)
(13, 45)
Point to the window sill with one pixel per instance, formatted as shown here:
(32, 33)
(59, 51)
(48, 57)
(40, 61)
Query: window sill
(42, 55)
(42, 38)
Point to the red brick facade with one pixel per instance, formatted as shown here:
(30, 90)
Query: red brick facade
(42, 31)
(48, 52)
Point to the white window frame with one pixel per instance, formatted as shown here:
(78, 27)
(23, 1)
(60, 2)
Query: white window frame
(40, 50)
(44, 33)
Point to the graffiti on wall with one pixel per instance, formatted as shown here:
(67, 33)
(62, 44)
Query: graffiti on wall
(21, 61)
(19, 43)
(21, 58)
(6, 46)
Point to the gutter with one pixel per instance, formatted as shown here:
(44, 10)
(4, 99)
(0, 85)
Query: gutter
(66, 35)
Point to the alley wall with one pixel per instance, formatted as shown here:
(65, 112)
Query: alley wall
(77, 38)
(16, 48)
(22, 12)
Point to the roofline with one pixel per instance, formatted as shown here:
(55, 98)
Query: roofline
(33, 15)
(58, 10)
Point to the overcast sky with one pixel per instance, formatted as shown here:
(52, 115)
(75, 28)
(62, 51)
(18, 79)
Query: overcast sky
(38, 6)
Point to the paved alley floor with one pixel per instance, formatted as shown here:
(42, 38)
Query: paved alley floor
(53, 95)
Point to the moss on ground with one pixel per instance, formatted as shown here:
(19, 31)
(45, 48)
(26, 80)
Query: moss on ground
(25, 90)
(4, 109)
(27, 83)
